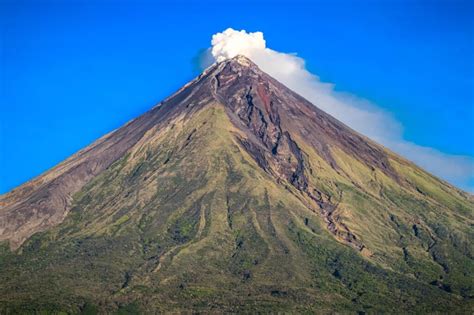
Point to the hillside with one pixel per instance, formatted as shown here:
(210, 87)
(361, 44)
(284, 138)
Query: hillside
(236, 194)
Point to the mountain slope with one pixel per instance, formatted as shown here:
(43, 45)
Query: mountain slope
(236, 194)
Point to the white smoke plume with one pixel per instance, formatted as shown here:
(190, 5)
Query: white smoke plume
(355, 112)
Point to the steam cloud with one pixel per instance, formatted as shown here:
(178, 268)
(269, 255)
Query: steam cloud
(355, 112)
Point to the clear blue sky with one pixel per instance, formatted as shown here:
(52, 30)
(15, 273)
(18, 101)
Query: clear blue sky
(71, 71)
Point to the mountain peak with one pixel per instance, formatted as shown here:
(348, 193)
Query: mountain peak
(243, 60)
(237, 62)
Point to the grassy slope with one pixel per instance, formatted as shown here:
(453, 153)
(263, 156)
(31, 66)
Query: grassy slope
(187, 220)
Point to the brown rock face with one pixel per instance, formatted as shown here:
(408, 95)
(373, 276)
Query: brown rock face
(269, 114)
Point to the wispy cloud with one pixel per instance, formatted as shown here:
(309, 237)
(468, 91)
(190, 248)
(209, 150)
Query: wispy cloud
(358, 113)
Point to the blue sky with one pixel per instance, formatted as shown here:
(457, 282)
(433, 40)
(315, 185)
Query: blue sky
(71, 71)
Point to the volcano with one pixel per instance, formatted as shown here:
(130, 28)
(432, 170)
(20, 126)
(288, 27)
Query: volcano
(235, 194)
